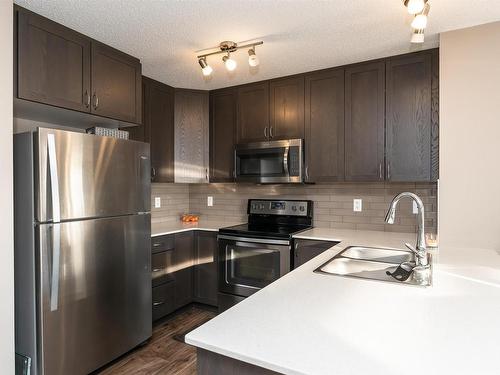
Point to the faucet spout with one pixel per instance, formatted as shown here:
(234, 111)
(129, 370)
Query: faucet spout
(421, 248)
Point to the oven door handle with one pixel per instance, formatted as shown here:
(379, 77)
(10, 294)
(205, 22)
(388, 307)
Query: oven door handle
(255, 240)
(285, 161)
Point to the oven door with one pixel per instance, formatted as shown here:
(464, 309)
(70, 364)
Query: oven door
(269, 162)
(249, 264)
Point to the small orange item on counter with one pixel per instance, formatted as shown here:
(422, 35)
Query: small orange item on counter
(190, 218)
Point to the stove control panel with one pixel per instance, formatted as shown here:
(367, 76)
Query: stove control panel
(278, 207)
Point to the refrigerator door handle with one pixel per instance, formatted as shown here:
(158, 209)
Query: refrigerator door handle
(56, 218)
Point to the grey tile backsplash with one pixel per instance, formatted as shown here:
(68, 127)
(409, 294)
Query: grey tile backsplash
(333, 203)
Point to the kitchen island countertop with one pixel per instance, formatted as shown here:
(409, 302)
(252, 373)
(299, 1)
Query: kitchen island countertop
(309, 323)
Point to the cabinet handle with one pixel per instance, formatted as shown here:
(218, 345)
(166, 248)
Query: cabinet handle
(153, 173)
(157, 269)
(307, 173)
(158, 303)
(380, 171)
(87, 99)
(271, 135)
(96, 100)
(206, 174)
(265, 132)
(157, 244)
(388, 171)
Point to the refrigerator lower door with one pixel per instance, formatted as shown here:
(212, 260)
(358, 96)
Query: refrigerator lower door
(94, 291)
(81, 176)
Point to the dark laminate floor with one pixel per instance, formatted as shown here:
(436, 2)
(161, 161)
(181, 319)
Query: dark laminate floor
(162, 354)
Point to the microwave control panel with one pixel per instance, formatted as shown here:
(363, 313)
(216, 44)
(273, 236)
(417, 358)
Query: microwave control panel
(294, 161)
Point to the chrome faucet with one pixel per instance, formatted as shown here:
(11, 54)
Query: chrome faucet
(420, 251)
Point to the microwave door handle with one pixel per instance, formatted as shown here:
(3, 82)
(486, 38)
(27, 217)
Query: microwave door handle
(285, 160)
(56, 219)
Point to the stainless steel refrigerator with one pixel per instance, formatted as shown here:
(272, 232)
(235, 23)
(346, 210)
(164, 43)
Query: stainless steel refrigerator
(82, 249)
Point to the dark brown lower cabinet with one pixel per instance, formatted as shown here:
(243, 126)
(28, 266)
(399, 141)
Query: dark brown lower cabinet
(305, 250)
(205, 269)
(182, 263)
(183, 270)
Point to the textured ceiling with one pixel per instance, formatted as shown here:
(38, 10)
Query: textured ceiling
(298, 35)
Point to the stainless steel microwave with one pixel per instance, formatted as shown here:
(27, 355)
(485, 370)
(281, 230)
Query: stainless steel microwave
(273, 162)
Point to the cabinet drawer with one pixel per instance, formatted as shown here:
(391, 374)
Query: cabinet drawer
(161, 267)
(162, 243)
(163, 300)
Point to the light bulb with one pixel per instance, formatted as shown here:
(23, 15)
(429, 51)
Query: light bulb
(418, 36)
(415, 6)
(205, 68)
(253, 60)
(419, 22)
(229, 62)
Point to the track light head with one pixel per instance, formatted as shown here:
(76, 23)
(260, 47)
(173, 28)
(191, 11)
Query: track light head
(205, 68)
(418, 36)
(229, 62)
(253, 60)
(420, 20)
(415, 6)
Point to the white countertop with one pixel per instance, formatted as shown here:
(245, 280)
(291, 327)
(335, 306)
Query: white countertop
(171, 227)
(308, 323)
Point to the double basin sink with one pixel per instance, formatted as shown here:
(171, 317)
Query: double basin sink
(371, 263)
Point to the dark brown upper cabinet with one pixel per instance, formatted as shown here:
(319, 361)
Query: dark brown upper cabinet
(324, 125)
(364, 122)
(116, 84)
(408, 117)
(253, 112)
(286, 108)
(158, 128)
(62, 68)
(53, 63)
(222, 134)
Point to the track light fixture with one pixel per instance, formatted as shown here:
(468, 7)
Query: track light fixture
(420, 9)
(227, 48)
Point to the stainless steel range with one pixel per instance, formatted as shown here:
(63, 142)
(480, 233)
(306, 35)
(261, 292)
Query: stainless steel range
(255, 254)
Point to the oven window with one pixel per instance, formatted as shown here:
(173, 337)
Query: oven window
(267, 162)
(251, 267)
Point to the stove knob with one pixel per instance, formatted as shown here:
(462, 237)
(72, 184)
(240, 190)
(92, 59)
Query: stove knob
(302, 208)
(261, 206)
(294, 208)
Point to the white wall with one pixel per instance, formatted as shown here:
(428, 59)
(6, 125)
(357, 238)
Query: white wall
(469, 186)
(6, 219)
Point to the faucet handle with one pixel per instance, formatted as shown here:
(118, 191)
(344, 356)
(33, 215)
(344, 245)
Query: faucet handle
(418, 253)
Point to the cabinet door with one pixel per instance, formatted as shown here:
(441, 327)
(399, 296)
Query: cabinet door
(53, 63)
(159, 128)
(364, 122)
(116, 84)
(305, 250)
(324, 111)
(205, 271)
(222, 135)
(253, 112)
(408, 129)
(191, 136)
(182, 264)
(287, 108)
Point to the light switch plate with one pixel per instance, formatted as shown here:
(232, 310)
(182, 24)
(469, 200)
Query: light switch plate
(357, 205)
(415, 208)
(210, 201)
(157, 202)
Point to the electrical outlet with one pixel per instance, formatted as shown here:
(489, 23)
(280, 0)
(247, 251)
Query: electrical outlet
(357, 205)
(157, 202)
(210, 201)
(415, 208)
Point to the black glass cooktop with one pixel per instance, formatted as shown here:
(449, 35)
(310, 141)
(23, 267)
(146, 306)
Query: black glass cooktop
(264, 230)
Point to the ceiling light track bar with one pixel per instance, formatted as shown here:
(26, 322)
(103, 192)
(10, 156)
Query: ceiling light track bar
(225, 48)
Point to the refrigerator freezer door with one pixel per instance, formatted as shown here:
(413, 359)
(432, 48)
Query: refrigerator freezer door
(93, 176)
(95, 295)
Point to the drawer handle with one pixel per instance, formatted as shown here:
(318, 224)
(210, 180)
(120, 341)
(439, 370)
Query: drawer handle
(157, 269)
(158, 303)
(157, 244)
